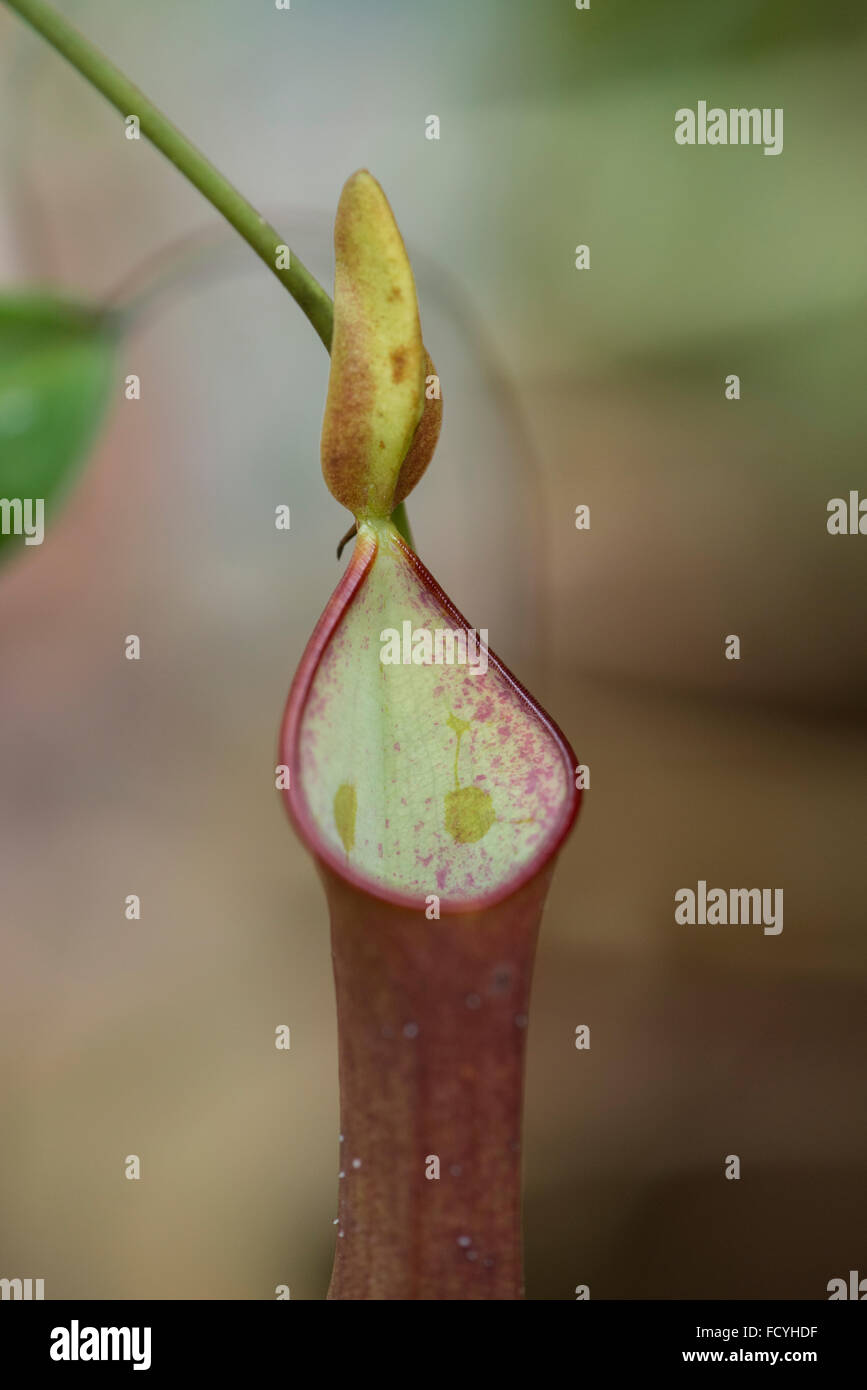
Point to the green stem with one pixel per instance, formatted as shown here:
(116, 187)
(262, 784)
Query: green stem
(305, 289)
(123, 94)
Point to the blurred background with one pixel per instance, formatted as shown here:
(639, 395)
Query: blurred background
(602, 387)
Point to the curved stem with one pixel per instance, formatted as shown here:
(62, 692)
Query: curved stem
(305, 289)
(130, 101)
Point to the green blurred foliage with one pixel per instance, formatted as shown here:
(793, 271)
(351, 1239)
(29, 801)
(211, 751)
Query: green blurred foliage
(561, 45)
(704, 261)
(55, 378)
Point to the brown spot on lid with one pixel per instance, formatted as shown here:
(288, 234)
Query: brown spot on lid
(398, 364)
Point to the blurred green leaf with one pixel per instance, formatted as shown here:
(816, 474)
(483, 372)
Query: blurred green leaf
(55, 379)
(555, 49)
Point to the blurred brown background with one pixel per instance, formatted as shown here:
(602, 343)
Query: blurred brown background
(603, 387)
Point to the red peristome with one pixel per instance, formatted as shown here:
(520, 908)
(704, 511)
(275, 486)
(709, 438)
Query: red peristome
(338, 606)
